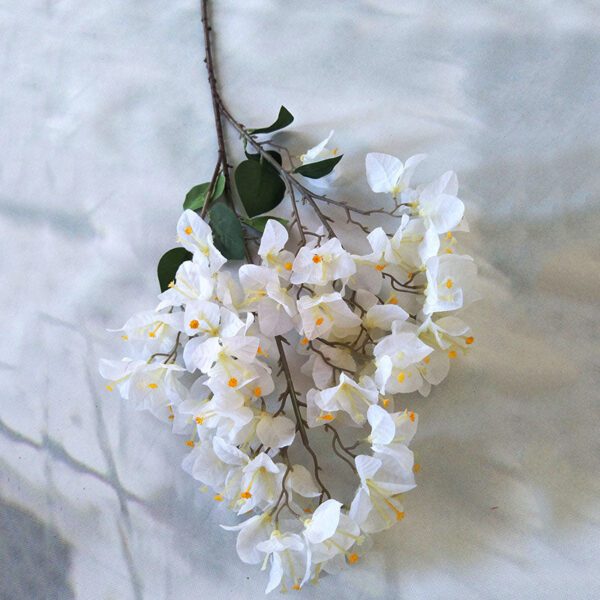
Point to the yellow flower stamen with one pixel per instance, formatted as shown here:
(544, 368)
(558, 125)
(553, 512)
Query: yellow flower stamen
(317, 258)
(199, 420)
(353, 558)
(452, 354)
(399, 513)
(288, 266)
(379, 267)
(190, 443)
(401, 377)
(470, 340)
(194, 324)
(109, 388)
(449, 284)
(232, 382)
(416, 468)
(411, 416)
(304, 341)
(246, 495)
(218, 498)
(326, 417)
(188, 230)
(153, 386)
(385, 402)
(392, 300)
(257, 391)
(319, 321)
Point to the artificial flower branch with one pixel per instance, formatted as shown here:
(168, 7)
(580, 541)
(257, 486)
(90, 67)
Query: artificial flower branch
(220, 357)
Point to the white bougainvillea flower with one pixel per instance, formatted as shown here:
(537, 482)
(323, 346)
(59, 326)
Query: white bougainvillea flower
(287, 552)
(438, 205)
(391, 433)
(155, 386)
(351, 397)
(155, 330)
(202, 318)
(118, 373)
(261, 482)
(204, 464)
(338, 544)
(252, 532)
(228, 291)
(275, 432)
(434, 369)
(227, 414)
(327, 313)
(275, 308)
(319, 152)
(370, 266)
(450, 280)
(193, 281)
(383, 316)
(319, 265)
(413, 244)
(395, 358)
(388, 174)
(374, 506)
(446, 332)
(195, 235)
(216, 356)
(323, 522)
(271, 249)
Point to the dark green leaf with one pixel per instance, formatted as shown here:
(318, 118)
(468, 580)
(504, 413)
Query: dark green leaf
(319, 169)
(168, 265)
(259, 223)
(257, 156)
(284, 119)
(259, 186)
(227, 230)
(196, 197)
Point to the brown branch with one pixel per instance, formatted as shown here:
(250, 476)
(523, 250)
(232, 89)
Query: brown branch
(299, 420)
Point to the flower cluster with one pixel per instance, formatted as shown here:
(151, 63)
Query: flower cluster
(249, 363)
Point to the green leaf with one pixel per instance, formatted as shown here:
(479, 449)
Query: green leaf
(196, 197)
(284, 119)
(227, 230)
(257, 156)
(319, 169)
(168, 265)
(259, 223)
(259, 186)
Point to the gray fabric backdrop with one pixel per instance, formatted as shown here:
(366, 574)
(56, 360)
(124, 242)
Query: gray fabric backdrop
(105, 123)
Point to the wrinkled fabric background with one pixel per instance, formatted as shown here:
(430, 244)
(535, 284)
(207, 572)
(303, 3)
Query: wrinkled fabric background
(105, 123)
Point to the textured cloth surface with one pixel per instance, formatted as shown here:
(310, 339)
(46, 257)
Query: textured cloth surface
(105, 123)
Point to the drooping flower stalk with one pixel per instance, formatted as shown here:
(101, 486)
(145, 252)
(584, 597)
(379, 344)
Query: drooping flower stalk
(218, 357)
